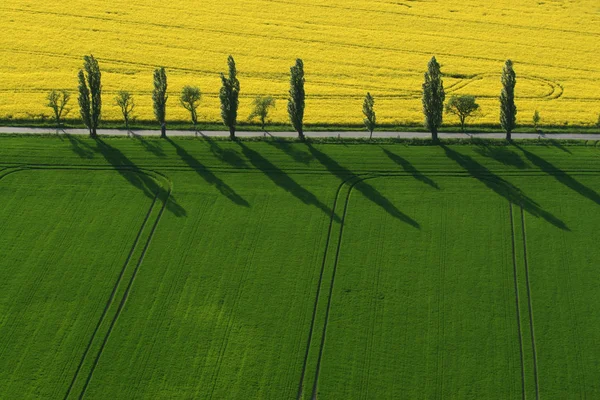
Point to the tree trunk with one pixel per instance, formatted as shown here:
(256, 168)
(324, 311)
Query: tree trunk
(301, 135)
(434, 135)
(163, 130)
(232, 132)
(371, 136)
(508, 135)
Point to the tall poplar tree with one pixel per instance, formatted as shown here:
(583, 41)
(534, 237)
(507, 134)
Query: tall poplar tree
(296, 101)
(433, 98)
(508, 109)
(90, 94)
(159, 99)
(370, 119)
(229, 96)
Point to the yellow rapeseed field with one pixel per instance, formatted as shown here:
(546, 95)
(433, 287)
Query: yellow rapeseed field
(349, 47)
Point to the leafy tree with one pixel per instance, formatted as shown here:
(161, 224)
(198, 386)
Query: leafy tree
(463, 107)
(57, 101)
(229, 96)
(370, 119)
(159, 99)
(433, 98)
(190, 100)
(508, 110)
(296, 102)
(536, 120)
(90, 94)
(262, 104)
(125, 102)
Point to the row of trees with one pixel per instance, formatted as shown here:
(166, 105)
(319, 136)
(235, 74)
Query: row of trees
(464, 106)
(90, 100)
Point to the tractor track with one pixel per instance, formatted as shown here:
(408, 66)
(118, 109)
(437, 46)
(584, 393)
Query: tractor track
(126, 294)
(530, 307)
(316, 302)
(112, 296)
(514, 260)
(4, 172)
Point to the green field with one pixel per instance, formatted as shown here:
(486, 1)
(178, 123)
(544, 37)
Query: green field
(194, 268)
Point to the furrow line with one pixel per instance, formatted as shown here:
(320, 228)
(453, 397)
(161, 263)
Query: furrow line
(527, 280)
(335, 264)
(315, 307)
(514, 260)
(112, 296)
(126, 294)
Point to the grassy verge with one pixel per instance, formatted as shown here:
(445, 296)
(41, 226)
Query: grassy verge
(319, 127)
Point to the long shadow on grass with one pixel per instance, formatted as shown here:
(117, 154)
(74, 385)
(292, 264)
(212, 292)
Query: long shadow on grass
(561, 176)
(80, 147)
(502, 187)
(408, 167)
(208, 176)
(141, 181)
(362, 186)
(503, 155)
(230, 156)
(151, 146)
(291, 150)
(556, 143)
(284, 181)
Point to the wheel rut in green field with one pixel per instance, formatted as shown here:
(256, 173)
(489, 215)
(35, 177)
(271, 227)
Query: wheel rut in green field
(529, 305)
(319, 284)
(527, 350)
(144, 236)
(518, 311)
(153, 217)
(349, 183)
(112, 297)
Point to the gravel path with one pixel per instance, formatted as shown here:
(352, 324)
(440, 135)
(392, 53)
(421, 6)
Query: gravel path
(350, 134)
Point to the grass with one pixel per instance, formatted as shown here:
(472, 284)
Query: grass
(276, 269)
(314, 127)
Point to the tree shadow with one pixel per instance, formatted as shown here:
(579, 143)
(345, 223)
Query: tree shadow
(208, 176)
(561, 176)
(503, 155)
(555, 143)
(408, 167)
(362, 186)
(137, 178)
(288, 148)
(81, 148)
(284, 181)
(502, 187)
(149, 145)
(229, 156)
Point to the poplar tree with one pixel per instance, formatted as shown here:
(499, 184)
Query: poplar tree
(296, 101)
(159, 99)
(368, 111)
(229, 96)
(90, 94)
(433, 98)
(508, 109)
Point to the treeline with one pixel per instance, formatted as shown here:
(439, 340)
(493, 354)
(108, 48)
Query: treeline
(434, 100)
